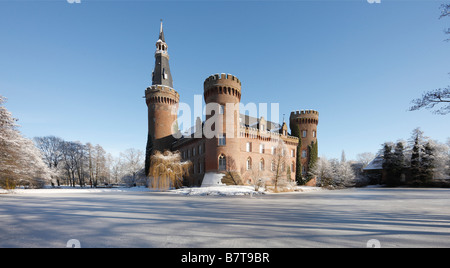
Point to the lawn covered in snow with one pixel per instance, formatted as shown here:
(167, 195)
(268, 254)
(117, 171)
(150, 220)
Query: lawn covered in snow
(237, 190)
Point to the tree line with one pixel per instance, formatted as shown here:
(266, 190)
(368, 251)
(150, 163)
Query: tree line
(420, 161)
(74, 163)
(53, 160)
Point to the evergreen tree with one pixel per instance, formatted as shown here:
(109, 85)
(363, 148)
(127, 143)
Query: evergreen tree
(313, 156)
(388, 158)
(298, 160)
(148, 154)
(427, 163)
(416, 141)
(397, 164)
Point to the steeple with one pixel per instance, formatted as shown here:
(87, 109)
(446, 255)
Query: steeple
(161, 73)
(161, 33)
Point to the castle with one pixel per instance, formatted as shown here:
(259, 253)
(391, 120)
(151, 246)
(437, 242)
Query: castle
(240, 143)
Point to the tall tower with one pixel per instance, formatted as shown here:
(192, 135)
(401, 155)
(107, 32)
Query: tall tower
(162, 102)
(222, 92)
(307, 121)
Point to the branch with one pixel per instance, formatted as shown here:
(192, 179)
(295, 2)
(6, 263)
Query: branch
(445, 10)
(431, 98)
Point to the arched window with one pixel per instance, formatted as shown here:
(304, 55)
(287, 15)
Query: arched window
(222, 162)
(261, 164)
(249, 163)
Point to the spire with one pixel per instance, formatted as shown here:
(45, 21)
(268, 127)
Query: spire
(161, 73)
(161, 33)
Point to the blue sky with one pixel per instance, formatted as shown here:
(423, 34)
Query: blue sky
(79, 71)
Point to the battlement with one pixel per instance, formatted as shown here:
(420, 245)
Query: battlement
(227, 80)
(305, 117)
(304, 112)
(161, 94)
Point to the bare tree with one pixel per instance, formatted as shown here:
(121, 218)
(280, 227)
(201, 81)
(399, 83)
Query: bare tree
(279, 162)
(432, 98)
(133, 163)
(445, 11)
(365, 158)
(438, 96)
(50, 147)
(232, 176)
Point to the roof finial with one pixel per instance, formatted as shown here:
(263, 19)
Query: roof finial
(161, 33)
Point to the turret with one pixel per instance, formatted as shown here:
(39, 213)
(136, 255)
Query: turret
(222, 93)
(307, 121)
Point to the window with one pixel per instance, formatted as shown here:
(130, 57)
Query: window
(248, 147)
(314, 133)
(273, 167)
(195, 168)
(222, 139)
(292, 153)
(249, 163)
(263, 127)
(285, 132)
(261, 148)
(273, 150)
(222, 162)
(304, 134)
(189, 153)
(200, 149)
(194, 151)
(303, 153)
(200, 169)
(261, 164)
(292, 167)
(221, 109)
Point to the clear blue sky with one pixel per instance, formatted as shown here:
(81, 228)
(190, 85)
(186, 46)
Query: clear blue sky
(79, 71)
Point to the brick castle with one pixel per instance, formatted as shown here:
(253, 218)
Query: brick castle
(240, 142)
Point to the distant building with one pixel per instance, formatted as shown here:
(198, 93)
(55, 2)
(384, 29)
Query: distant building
(251, 145)
(374, 170)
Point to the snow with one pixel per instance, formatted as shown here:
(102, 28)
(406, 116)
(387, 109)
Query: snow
(221, 190)
(218, 191)
(68, 190)
(397, 217)
(212, 179)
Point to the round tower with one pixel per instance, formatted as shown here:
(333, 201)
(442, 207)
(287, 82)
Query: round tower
(162, 102)
(222, 93)
(307, 121)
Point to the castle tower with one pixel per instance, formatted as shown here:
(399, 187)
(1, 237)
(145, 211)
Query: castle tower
(162, 102)
(307, 121)
(222, 93)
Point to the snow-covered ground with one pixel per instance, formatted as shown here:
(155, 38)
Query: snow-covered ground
(194, 191)
(49, 190)
(138, 217)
